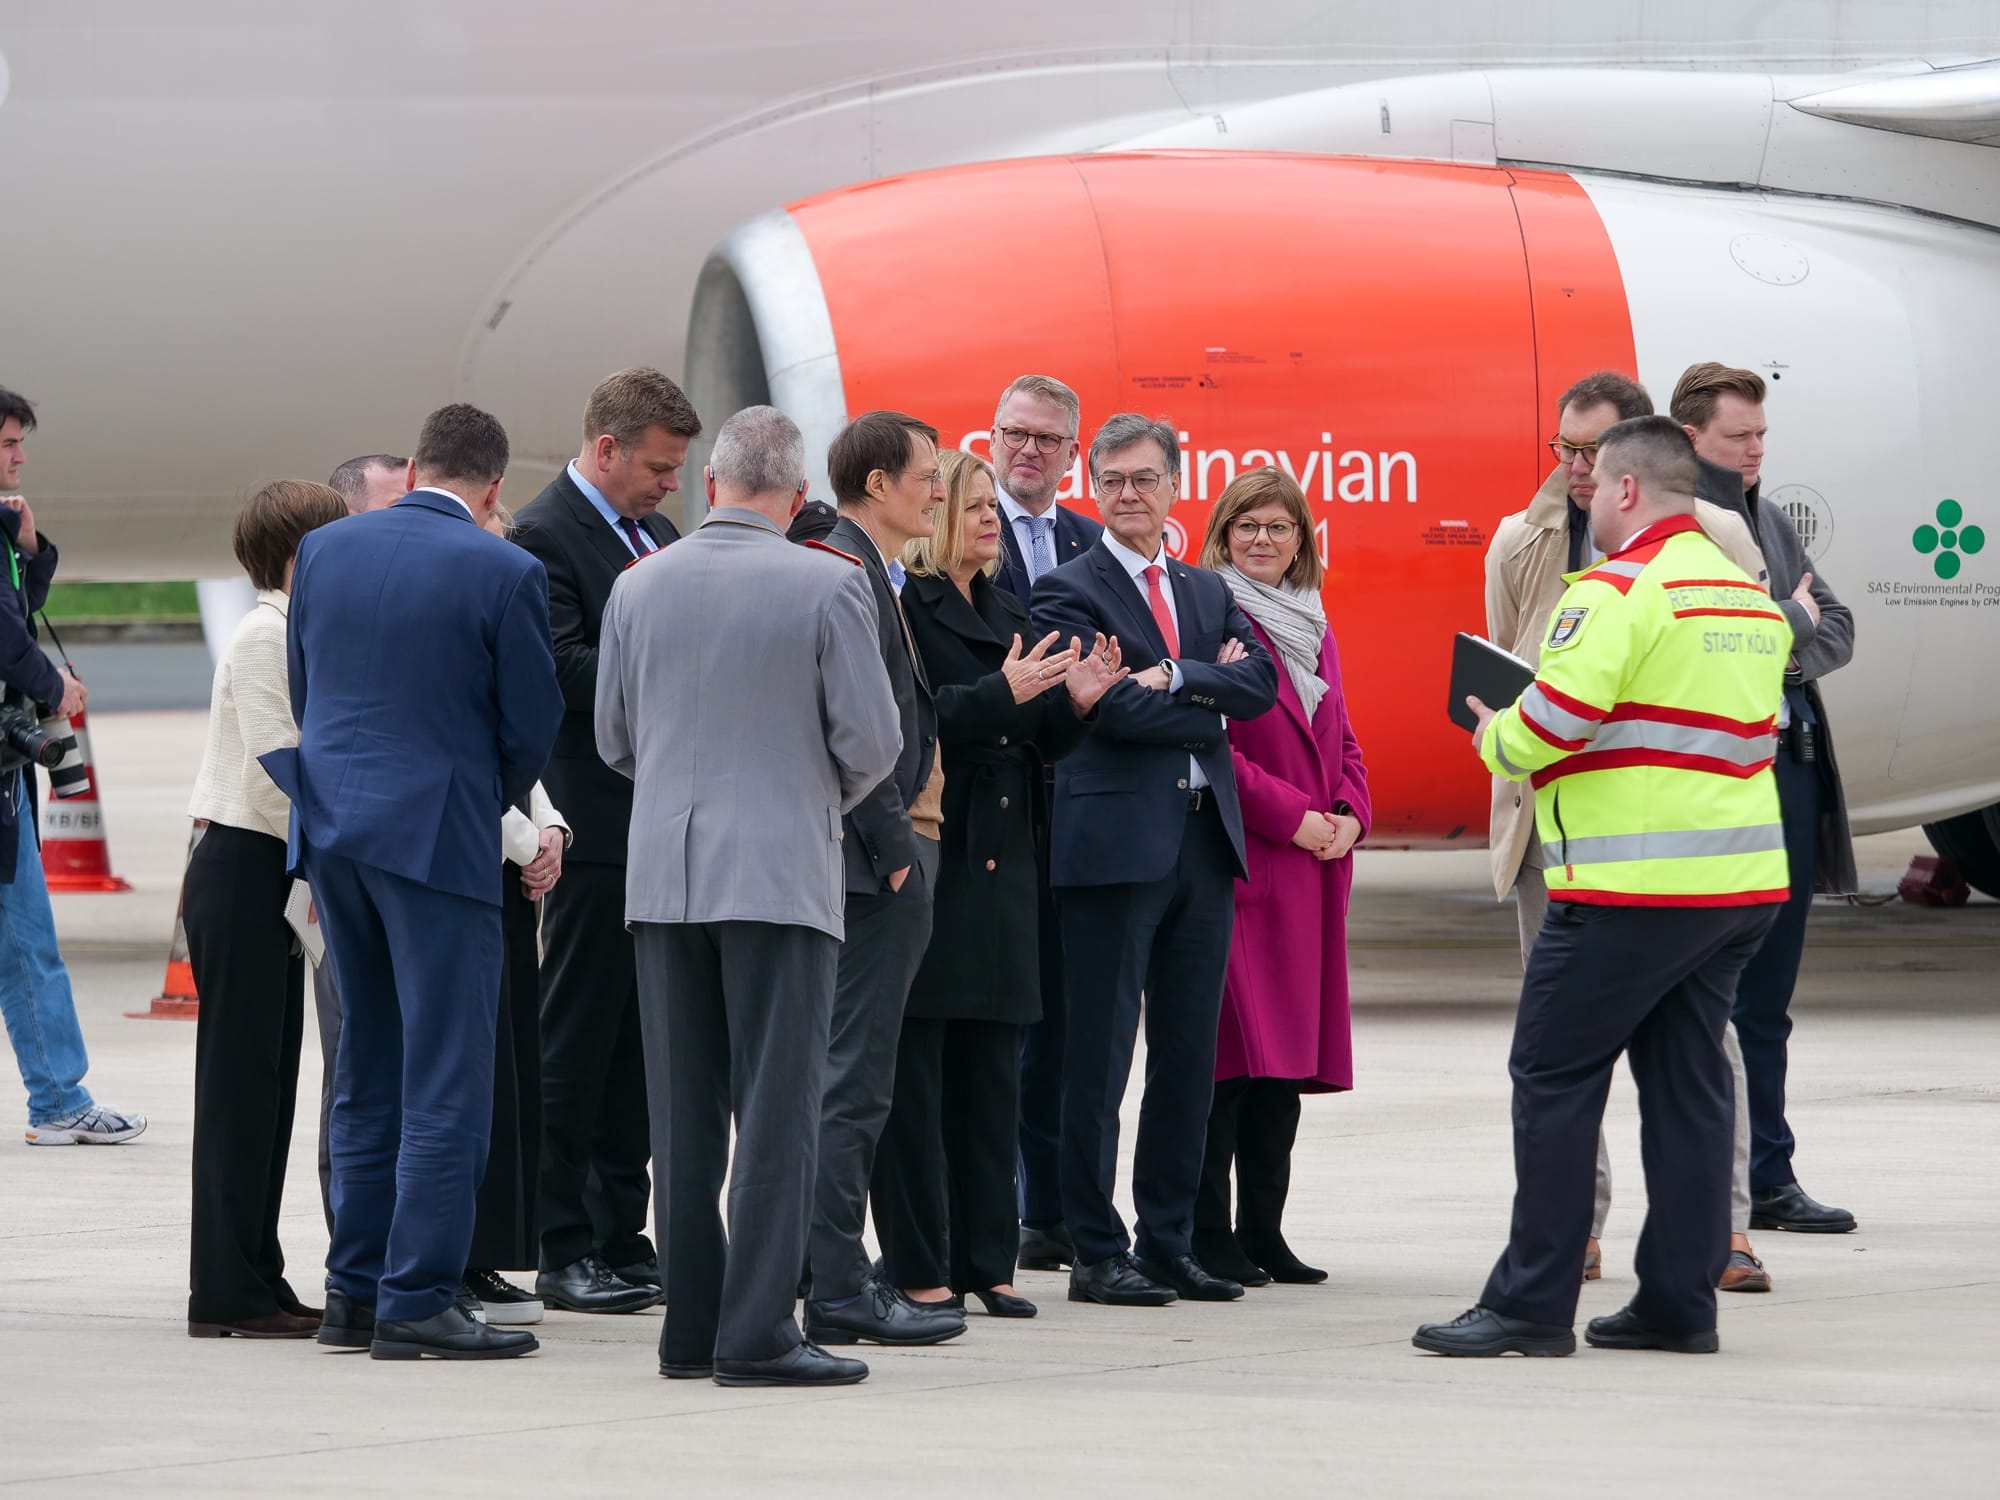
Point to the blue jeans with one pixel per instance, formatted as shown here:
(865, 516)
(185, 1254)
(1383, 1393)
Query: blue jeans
(34, 986)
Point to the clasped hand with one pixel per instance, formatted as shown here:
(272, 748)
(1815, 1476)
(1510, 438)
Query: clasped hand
(1327, 835)
(541, 873)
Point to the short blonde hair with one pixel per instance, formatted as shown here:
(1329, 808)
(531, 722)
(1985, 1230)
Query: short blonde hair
(940, 554)
(1246, 492)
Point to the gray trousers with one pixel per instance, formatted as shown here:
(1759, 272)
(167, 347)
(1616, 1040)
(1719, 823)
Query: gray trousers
(326, 1005)
(1531, 905)
(887, 933)
(734, 1017)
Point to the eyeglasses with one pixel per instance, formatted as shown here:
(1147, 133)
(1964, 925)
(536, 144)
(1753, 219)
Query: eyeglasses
(1144, 482)
(928, 481)
(1569, 452)
(1045, 442)
(1246, 530)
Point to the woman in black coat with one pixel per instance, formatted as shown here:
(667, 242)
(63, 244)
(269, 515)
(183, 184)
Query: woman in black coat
(943, 1184)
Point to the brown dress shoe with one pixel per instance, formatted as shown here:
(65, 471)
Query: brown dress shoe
(1593, 1261)
(272, 1325)
(1744, 1273)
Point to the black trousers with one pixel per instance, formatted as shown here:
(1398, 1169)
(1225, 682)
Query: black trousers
(886, 936)
(1168, 939)
(1764, 994)
(503, 1223)
(594, 1126)
(1042, 1071)
(246, 1070)
(1252, 1126)
(1655, 983)
(735, 1017)
(943, 1190)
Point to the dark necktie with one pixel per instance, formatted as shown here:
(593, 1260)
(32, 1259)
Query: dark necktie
(639, 542)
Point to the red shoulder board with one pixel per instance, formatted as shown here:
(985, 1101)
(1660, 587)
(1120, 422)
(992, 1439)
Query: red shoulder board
(819, 546)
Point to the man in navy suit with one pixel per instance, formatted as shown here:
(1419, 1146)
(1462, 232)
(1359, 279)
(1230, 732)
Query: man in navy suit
(425, 692)
(1034, 448)
(1147, 846)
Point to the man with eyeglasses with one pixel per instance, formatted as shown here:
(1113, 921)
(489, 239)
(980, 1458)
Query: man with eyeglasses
(884, 468)
(1531, 552)
(1034, 445)
(1147, 846)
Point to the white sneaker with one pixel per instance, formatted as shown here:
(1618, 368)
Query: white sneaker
(95, 1126)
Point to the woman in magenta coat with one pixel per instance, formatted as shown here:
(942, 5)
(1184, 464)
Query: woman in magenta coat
(1285, 1019)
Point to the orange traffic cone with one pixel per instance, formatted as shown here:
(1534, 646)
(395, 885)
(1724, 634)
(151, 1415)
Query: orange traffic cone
(75, 857)
(177, 1000)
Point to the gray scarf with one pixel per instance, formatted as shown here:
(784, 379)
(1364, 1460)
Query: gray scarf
(1295, 620)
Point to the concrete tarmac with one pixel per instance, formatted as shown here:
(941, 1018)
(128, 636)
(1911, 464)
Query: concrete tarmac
(1870, 1370)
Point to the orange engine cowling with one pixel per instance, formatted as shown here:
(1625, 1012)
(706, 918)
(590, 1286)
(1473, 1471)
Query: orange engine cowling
(1393, 333)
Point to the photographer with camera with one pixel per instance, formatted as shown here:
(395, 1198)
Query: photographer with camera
(35, 995)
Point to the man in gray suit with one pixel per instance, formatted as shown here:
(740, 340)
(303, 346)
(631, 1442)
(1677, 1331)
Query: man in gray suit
(741, 687)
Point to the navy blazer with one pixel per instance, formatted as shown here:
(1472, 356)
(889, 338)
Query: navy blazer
(1121, 798)
(1075, 535)
(424, 689)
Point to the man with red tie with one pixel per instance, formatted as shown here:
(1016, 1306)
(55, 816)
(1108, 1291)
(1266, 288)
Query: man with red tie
(1146, 845)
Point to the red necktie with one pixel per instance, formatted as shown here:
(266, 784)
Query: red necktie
(640, 542)
(1162, 615)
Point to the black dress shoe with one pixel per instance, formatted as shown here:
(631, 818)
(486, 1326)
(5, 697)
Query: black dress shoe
(642, 1273)
(1272, 1253)
(1117, 1281)
(346, 1324)
(1045, 1249)
(802, 1364)
(1623, 1330)
(450, 1334)
(882, 1315)
(693, 1370)
(1788, 1207)
(1004, 1304)
(1187, 1276)
(1219, 1251)
(590, 1286)
(1480, 1333)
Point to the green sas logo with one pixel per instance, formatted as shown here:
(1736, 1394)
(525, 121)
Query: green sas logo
(1948, 539)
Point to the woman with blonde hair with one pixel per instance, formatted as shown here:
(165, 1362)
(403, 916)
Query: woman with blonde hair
(1285, 1020)
(943, 1185)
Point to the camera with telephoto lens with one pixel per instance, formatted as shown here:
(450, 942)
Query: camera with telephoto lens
(30, 734)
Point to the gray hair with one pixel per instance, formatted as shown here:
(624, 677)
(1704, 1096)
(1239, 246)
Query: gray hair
(760, 451)
(1654, 450)
(1127, 428)
(1049, 389)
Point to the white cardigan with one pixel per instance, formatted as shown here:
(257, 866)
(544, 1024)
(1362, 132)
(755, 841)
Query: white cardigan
(250, 712)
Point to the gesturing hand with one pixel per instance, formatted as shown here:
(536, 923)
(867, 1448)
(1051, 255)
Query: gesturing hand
(1032, 675)
(1232, 650)
(1091, 675)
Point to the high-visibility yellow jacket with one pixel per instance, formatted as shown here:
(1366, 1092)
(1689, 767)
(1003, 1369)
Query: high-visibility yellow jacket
(1650, 729)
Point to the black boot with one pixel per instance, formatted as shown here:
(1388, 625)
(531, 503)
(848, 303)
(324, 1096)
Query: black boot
(1267, 1127)
(1214, 1241)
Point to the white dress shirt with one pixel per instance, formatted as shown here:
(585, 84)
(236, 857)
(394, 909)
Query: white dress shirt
(435, 489)
(1135, 566)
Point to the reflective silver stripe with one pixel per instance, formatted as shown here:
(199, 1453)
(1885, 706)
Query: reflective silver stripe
(1679, 739)
(1556, 719)
(1622, 569)
(1688, 843)
(1500, 753)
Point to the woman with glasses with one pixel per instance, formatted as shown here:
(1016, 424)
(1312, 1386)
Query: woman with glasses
(1285, 1022)
(943, 1185)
